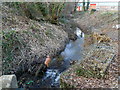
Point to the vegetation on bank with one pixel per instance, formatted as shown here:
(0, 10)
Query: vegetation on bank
(94, 69)
(51, 12)
(25, 26)
(25, 40)
(11, 45)
(13, 39)
(65, 85)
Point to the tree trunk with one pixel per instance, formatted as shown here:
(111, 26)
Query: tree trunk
(83, 5)
(88, 2)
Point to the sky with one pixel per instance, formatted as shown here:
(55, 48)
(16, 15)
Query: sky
(102, 0)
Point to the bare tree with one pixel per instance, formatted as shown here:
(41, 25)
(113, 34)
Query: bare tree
(83, 5)
(88, 2)
(76, 3)
(85, 8)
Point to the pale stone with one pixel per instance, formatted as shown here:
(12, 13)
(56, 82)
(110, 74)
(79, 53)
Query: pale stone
(8, 81)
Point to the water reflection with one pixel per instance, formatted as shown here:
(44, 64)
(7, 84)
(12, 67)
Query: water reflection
(74, 49)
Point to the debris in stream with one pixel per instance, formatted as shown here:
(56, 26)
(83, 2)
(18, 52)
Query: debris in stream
(30, 82)
(73, 62)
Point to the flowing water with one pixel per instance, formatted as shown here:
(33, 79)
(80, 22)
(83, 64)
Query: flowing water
(51, 78)
(73, 51)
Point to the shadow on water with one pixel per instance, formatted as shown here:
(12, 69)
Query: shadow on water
(72, 52)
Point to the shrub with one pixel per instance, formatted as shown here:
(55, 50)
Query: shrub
(38, 10)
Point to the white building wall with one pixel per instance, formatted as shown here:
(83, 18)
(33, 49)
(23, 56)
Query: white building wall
(107, 6)
(102, 5)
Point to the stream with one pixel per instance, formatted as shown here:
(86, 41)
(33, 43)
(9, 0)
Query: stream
(71, 53)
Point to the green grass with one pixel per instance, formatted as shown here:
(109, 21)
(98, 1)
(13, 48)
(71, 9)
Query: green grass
(34, 34)
(11, 43)
(108, 13)
(88, 73)
(49, 34)
(60, 58)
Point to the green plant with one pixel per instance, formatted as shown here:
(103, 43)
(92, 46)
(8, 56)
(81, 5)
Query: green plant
(88, 73)
(16, 7)
(60, 58)
(55, 10)
(108, 13)
(49, 33)
(11, 43)
(34, 10)
(42, 7)
(92, 11)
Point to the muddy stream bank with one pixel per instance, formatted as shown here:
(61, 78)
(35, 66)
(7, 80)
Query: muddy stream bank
(51, 78)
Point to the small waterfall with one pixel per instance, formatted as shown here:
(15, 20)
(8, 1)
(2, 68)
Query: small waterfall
(73, 51)
(79, 33)
(51, 78)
